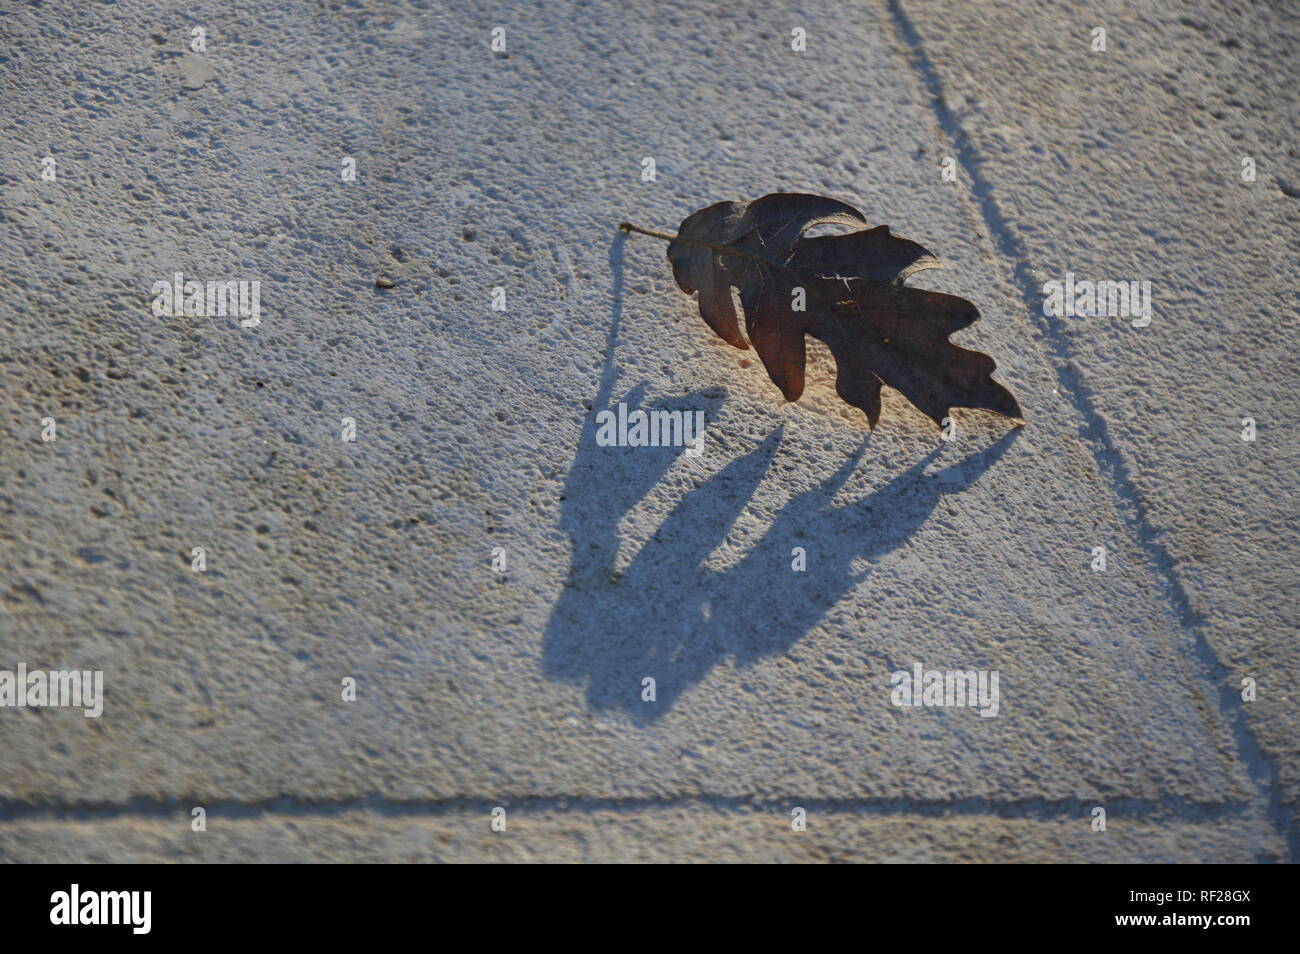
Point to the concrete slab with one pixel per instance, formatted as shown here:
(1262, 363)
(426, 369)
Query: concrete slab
(372, 560)
(594, 835)
(1170, 157)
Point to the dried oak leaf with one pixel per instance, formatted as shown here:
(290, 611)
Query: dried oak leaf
(878, 329)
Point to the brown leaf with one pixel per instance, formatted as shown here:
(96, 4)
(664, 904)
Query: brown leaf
(878, 329)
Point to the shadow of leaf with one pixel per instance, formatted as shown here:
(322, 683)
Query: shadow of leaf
(670, 617)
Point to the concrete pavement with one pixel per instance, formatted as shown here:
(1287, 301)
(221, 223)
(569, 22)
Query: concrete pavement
(498, 176)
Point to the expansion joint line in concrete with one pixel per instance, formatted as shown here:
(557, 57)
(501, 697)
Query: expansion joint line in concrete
(1110, 462)
(143, 809)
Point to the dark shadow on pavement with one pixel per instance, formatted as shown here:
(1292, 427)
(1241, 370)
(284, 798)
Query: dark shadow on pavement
(667, 615)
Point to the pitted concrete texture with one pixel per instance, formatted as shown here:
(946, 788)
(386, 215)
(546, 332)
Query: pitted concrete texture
(1128, 164)
(648, 834)
(371, 560)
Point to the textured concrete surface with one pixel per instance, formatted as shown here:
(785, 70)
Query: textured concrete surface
(371, 560)
(685, 832)
(1126, 164)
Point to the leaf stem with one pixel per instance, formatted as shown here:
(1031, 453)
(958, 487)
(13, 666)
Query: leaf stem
(629, 227)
